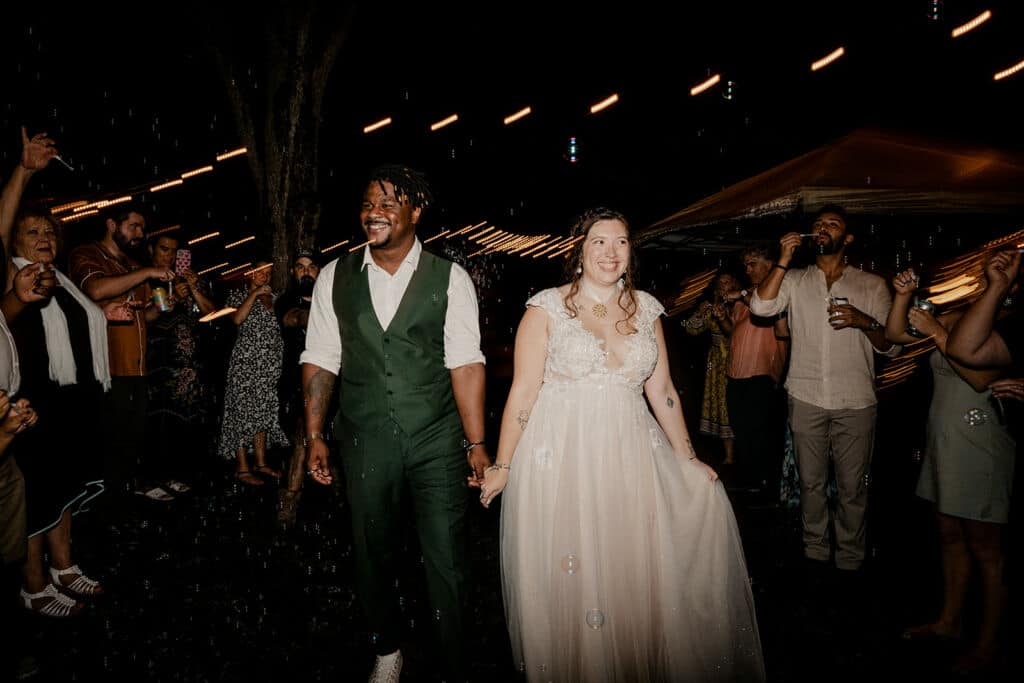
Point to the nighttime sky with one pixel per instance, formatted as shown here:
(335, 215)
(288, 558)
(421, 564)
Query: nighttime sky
(135, 102)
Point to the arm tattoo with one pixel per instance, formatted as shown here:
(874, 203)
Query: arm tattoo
(671, 403)
(318, 392)
(522, 418)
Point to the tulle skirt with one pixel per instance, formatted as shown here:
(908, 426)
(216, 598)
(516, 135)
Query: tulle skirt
(620, 560)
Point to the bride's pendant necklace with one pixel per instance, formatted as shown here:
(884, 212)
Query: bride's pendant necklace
(599, 309)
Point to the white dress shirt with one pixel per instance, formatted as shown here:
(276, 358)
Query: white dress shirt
(10, 373)
(461, 323)
(828, 368)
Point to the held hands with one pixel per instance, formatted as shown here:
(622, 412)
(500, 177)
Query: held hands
(36, 151)
(905, 282)
(493, 484)
(1002, 269)
(718, 310)
(847, 315)
(317, 454)
(478, 461)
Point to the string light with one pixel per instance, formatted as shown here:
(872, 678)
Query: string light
(77, 216)
(235, 269)
(828, 59)
(217, 314)
(604, 104)
(522, 113)
(250, 238)
(188, 174)
(711, 82)
(444, 122)
(161, 231)
(203, 238)
(233, 153)
(164, 186)
(66, 207)
(333, 246)
(1006, 73)
(431, 239)
(377, 126)
(972, 24)
(212, 268)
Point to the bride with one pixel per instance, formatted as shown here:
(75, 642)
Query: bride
(620, 555)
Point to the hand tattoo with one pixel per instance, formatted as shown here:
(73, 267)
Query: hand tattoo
(522, 418)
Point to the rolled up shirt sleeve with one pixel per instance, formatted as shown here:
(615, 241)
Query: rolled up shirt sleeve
(880, 303)
(323, 336)
(768, 308)
(461, 323)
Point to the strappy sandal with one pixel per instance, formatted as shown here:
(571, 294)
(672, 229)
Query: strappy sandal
(248, 478)
(267, 470)
(82, 585)
(57, 605)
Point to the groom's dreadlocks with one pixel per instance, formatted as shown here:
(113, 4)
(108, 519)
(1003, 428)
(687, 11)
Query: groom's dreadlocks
(409, 183)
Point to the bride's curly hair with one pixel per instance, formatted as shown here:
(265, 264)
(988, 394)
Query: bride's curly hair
(574, 266)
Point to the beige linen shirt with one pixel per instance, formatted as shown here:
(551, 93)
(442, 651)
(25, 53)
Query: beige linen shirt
(831, 369)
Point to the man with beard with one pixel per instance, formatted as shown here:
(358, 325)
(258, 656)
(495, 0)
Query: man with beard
(834, 314)
(107, 271)
(399, 329)
(292, 309)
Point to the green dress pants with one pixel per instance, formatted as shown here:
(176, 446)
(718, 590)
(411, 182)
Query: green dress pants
(378, 466)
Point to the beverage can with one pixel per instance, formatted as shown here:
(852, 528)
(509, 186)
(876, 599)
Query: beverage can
(160, 299)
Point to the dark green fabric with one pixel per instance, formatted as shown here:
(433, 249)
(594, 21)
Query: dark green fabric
(398, 430)
(396, 374)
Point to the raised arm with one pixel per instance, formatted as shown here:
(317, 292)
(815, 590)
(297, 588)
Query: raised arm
(666, 406)
(903, 285)
(527, 378)
(973, 341)
(36, 153)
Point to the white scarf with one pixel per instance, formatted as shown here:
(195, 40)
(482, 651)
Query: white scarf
(58, 341)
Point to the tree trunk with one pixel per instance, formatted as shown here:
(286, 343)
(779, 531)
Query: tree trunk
(279, 119)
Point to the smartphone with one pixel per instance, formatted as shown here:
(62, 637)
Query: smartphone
(183, 262)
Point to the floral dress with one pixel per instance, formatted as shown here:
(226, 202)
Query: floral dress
(250, 397)
(714, 415)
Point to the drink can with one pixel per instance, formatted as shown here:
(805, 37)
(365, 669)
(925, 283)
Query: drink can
(160, 299)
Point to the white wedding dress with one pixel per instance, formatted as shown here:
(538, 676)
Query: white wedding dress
(620, 560)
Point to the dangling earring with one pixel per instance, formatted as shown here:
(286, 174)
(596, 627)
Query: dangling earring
(621, 282)
(579, 270)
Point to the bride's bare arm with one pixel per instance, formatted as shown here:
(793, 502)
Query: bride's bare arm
(665, 403)
(527, 377)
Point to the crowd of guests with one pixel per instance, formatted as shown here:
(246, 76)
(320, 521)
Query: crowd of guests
(794, 354)
(105, 388)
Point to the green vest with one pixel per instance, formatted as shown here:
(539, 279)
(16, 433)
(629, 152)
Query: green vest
(396, 374)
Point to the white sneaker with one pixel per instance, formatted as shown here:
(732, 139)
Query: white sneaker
(387, 668)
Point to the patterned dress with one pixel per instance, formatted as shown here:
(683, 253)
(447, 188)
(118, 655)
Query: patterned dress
(620, 559)
(714, 414)
(250, 397)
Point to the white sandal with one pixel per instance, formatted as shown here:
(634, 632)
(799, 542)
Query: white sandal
(59, 605)
(82, 585)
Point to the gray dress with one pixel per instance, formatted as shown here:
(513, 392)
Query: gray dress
(967, 469)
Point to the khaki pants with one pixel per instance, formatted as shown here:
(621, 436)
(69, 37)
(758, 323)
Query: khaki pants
(847, 437)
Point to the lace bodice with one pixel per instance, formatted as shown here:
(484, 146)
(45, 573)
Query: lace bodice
(574, 353)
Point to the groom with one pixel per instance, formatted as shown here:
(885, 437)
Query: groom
(398, 328)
